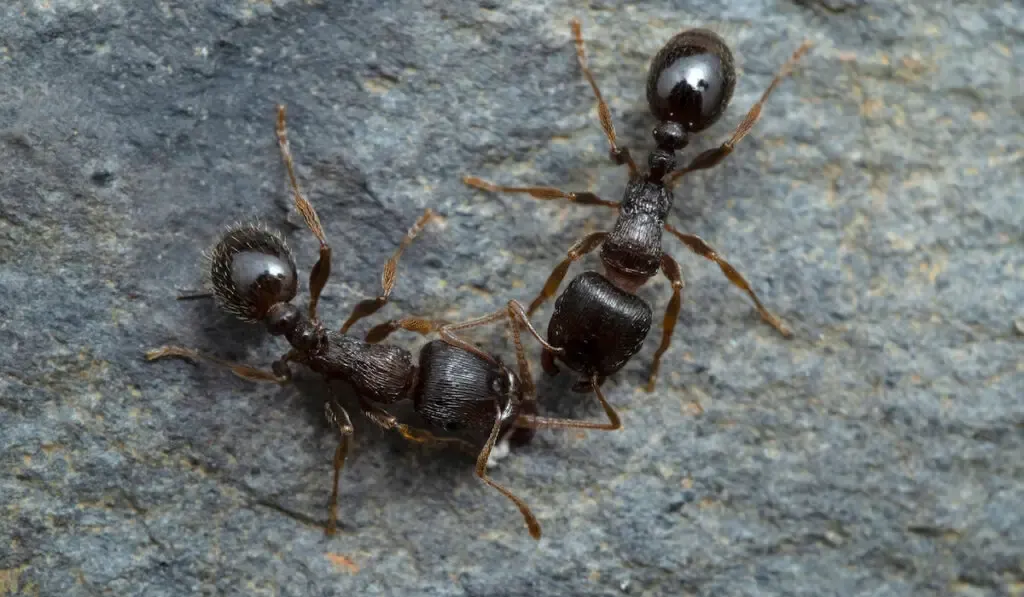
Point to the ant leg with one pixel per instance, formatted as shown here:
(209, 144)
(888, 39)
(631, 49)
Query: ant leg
(280, 372)
(535, 422)
(542, 193)
(322, 270)
(194, 295)
(389, 422)
(387, 279)
(583, 246)
(515, 314)
(413, 324)
(671, 270)
(337, 416)
(528, 395)
(481, 471)
(712, 157)
(699, 246)
(618, 155)
(547, 362)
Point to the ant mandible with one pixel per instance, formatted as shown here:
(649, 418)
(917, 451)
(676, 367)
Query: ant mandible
(454, 386)
(599, 322)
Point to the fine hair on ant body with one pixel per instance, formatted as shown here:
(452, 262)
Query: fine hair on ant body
(599, 322)
(454, 386)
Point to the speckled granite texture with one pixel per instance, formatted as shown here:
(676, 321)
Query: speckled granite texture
(876, 207)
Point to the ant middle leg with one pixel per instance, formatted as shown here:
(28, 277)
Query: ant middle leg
(322, 270)
(542, 193)
(279, 373)
(715, 155)
(583, 246)
(619, 155)
(671, 270)
(387, 280)
(699, 246)
(337, 416)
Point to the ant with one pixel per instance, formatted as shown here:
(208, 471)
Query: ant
(454, 386)
(599, 322)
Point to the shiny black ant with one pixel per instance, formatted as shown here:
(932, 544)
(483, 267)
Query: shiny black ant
(599, 322)
(454, 386)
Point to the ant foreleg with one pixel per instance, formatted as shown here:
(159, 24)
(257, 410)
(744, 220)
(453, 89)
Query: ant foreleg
(542, 193)
(713, 156)
(192, 295)
(280, 372)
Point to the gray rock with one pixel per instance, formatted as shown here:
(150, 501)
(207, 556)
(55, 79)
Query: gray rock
(876, 207)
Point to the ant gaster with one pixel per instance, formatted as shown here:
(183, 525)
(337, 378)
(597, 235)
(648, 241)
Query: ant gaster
(598, 322)
(454, 386)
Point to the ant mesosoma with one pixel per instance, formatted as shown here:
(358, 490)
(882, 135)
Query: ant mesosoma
(599, 322)
(454, 386)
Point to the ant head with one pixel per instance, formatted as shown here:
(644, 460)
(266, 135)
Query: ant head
(690, 83)
(251, 270)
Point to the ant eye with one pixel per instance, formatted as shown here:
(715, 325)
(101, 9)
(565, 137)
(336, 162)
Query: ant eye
(691, 80)
(252, 269)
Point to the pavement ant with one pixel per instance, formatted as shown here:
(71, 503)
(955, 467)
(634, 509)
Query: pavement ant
(599, 322)
(454, 386)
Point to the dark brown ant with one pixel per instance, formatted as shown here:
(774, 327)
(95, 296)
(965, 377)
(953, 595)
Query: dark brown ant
(454, 386)
(599, 322)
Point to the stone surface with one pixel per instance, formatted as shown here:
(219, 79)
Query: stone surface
(876, 207)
